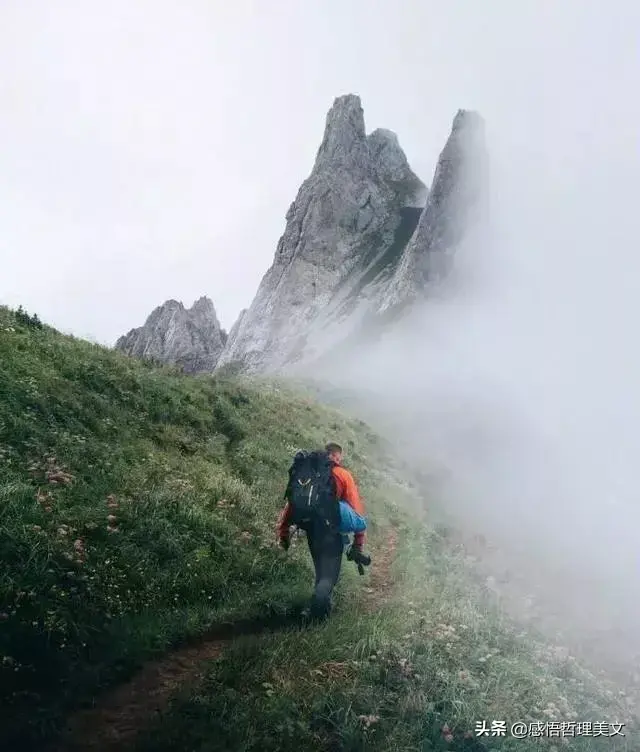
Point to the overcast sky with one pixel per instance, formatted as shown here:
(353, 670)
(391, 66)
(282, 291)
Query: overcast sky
(150, 149)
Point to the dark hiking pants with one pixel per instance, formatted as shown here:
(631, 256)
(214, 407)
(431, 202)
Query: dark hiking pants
(326, 551)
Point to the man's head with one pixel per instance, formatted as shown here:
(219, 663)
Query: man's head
(335, 452)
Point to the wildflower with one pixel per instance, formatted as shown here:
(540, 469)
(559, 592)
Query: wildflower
(57, 476)
(44, 499)
(406, 669)
(446, 733)
(368, 720)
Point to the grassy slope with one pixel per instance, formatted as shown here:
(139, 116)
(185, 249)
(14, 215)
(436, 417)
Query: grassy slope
(137, 507)
(191, 471)
(437, 653)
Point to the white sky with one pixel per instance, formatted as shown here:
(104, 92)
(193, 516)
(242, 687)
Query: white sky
(150, 149)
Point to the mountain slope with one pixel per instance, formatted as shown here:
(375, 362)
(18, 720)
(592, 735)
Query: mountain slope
(138, 506)
(138, 511)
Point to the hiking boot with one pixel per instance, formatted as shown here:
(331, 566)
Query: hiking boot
(320, 608)
(313, 615)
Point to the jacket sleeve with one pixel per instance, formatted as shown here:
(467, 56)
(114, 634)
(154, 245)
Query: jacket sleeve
(284, 522)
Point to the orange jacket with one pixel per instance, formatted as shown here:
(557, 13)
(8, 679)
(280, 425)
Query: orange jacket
(346, 490)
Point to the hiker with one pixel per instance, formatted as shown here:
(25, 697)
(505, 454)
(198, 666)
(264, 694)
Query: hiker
(323, 500)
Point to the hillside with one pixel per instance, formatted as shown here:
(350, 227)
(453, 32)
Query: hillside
(137, 520)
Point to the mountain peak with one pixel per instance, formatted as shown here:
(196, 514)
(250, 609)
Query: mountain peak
(203, 302)
(344, 130)
(347, 220)
(363, 235)
(467, 118)
(190, 338)
(454, 209)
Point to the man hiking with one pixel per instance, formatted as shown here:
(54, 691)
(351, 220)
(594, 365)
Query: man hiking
(322, 498)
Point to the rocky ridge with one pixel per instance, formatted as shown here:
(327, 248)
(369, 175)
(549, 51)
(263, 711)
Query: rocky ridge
(190, 338)
(454, 209)
(363, 237)
(361, 192)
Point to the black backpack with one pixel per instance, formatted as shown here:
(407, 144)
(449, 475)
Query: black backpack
(311, 492)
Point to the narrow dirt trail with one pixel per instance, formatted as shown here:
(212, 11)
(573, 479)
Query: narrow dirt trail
(116, 721)
(381, 584)
(114, 724)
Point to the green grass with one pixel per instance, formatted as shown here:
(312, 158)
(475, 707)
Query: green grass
(436, 656)
(137, 508)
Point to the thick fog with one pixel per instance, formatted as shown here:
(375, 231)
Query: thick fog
(516, 385)
(141, 137)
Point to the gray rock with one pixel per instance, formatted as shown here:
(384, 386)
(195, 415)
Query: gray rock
(454, 208)
(362, 240)
(340, 241)
(234, 329)
(190, 338)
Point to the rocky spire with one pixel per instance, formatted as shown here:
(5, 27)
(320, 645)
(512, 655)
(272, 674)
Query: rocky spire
(191, 338)
(453, 208)
(344, 219)
(344, 133)
(363, 235)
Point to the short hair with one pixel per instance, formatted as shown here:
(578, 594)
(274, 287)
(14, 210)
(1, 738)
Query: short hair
(333, 447)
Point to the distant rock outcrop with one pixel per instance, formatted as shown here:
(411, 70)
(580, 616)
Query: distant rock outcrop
(187, 337)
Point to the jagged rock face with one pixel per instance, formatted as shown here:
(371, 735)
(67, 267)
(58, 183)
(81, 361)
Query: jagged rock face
(362, 239)
(344, 224)
(190, 338)
(454, 208)
(236, 327)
